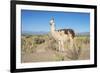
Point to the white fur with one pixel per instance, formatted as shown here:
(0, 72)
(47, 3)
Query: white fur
(60, 36)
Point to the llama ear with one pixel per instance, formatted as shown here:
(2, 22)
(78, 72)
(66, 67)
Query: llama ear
(52, 18)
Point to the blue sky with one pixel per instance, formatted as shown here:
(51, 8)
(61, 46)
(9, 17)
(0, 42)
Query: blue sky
(35, 21)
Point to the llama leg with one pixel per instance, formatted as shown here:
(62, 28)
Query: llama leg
(59, 44)
(71, 43)
(62, 45)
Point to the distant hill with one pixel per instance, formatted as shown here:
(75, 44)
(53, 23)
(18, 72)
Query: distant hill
(43, 33)
(83, 34)
(34, 33)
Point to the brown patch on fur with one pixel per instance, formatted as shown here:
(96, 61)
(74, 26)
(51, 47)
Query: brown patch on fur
(66, 31)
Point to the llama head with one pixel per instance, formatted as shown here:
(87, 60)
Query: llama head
(52, 21)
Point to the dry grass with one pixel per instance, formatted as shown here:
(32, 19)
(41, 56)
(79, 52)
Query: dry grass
(37, 48)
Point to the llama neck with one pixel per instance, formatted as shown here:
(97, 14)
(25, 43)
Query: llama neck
(52, 28)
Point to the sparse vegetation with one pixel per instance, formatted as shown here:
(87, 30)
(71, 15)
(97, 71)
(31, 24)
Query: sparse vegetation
(44, 48)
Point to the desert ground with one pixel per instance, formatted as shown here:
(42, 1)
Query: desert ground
(43, 48)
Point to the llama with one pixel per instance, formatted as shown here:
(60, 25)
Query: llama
(62, 35)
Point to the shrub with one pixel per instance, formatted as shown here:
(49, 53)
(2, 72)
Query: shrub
(39, 40)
